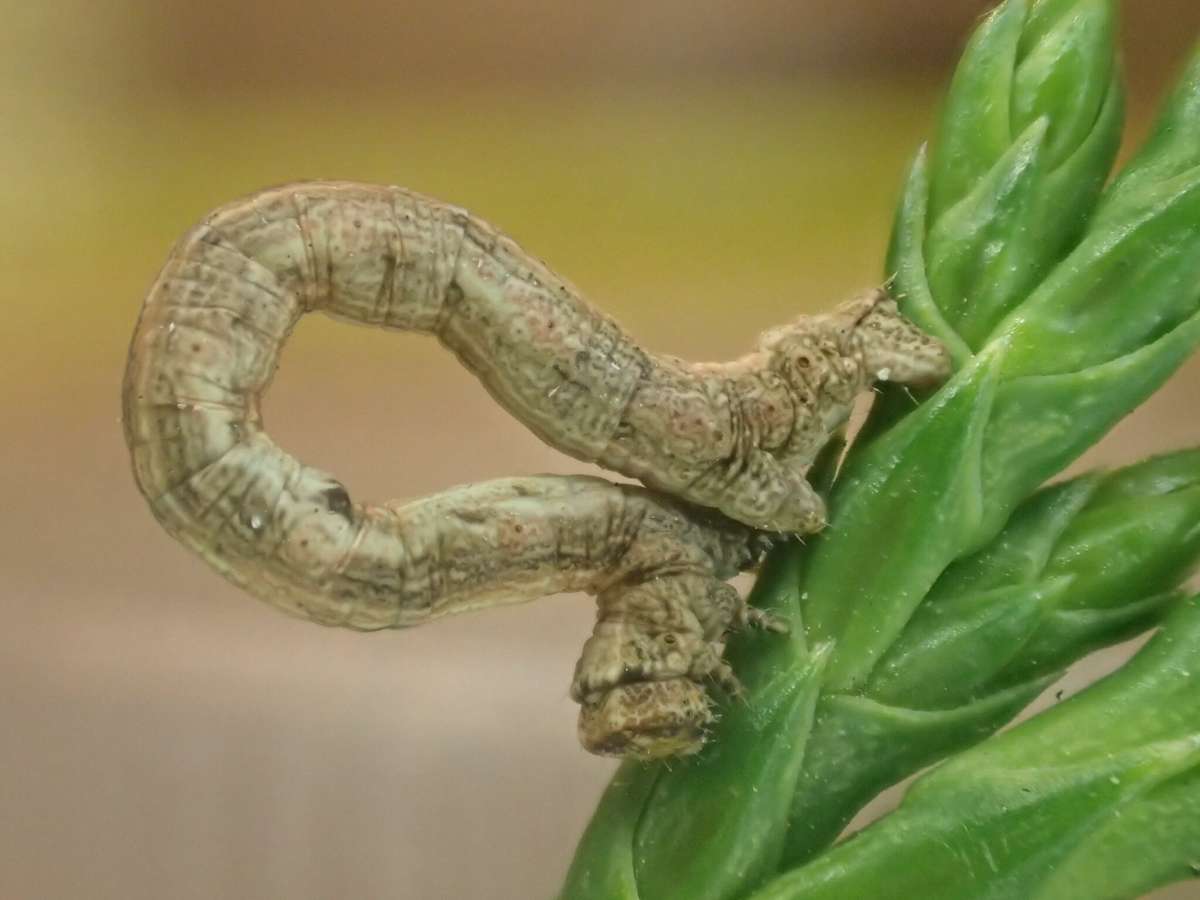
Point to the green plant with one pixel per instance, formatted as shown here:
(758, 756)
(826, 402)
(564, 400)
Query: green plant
(950, 591)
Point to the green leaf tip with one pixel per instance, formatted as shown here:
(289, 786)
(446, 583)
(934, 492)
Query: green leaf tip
(1030, 129)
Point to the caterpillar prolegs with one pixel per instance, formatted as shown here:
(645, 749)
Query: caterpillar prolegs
(723, 449)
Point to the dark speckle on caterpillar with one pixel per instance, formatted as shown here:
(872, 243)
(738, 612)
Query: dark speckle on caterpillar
(723, 449)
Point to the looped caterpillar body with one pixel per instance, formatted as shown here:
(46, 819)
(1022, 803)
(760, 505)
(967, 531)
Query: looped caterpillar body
(733, 441)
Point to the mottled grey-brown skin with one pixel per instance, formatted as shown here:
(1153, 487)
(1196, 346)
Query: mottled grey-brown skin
(736, 437)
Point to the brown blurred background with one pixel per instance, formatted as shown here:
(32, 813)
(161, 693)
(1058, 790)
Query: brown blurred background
(702, 169)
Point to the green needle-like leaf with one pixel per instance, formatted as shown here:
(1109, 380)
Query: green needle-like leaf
(1037, 812)
(603, 866)
(929, 511)
(1030, 128)
(706, 803)
(1080, 565)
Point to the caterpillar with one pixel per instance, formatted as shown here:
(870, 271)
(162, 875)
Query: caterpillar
(722, 449)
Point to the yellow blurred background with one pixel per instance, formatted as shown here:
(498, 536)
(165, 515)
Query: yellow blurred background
(701, 169)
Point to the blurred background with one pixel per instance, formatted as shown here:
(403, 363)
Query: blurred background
(702, 169)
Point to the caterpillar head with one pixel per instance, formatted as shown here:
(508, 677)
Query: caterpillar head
(868, 331)
(646, 719)
(638, 691)
(892, 347)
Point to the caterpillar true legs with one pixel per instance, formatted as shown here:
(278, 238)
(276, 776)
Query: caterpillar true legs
(737, 437)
